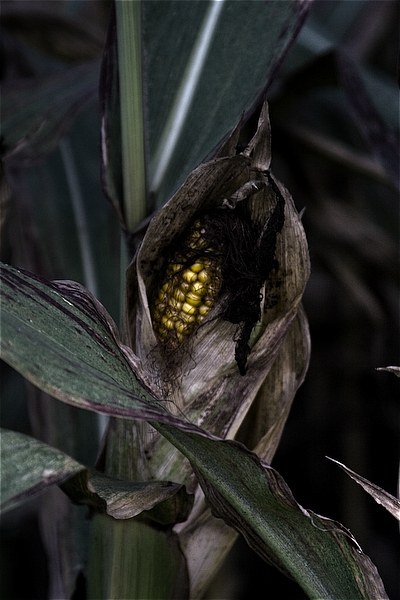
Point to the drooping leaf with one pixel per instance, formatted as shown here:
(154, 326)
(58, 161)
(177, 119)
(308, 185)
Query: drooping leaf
(318, 553)
(61, 339)
(392, 369)
(29, 466)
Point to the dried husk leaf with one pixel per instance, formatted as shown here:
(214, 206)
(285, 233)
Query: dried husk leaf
(205, 542)
(264, 423)
(392, 369)
(201, 378)
(161, 501)
(210, 354)
(380, 496)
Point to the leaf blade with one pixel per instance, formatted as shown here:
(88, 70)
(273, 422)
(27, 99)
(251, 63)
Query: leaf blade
(250, 41)
(318, 553)
(58, 337)
(29, 466)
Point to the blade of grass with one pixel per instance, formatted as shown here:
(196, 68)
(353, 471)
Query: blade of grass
(128, 16)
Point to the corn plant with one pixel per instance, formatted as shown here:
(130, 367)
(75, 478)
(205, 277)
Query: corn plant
(197, 381)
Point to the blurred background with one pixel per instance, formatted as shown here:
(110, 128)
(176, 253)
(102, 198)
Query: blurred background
(335, 138)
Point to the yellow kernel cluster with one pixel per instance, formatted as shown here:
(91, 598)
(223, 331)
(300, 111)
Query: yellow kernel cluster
(188, 293)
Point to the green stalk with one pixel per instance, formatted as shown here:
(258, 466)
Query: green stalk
(130, 559)
(128, 16)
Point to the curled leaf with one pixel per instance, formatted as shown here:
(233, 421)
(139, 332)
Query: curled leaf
(162, 501)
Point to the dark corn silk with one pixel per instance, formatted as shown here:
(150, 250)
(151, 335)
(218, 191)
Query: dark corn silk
(190, 287)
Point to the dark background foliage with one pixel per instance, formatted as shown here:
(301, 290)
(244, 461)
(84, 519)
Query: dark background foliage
(343, 177)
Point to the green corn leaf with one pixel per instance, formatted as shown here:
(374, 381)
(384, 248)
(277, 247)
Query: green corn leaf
(204, 64)
(227, 55)
(29, 466)
(69, 346)
(380, 496)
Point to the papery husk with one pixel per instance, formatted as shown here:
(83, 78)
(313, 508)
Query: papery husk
(201, 378)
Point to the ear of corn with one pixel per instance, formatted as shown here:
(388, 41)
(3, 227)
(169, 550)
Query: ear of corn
(189, 289)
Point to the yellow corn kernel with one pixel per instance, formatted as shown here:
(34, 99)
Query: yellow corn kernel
(189, 291)
(176, 267)
(198, 288)
(175, 304)
(179, 295)
(204, 276)
(189, 276)
(197, 267)
(180, 326)
(203, 310)
(186, 318)
(169, 313)
(193, 299)
(188, 309)
(168, 323)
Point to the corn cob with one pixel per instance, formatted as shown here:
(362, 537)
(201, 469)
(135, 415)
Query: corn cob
(189, 289)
